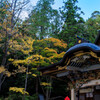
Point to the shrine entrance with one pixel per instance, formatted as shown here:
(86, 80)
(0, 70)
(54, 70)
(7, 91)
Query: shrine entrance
(90, 92)
(80, 68)
(95, 95)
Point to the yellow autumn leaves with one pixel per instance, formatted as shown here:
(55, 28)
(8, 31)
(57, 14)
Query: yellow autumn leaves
(20, 90)
(50, 50)
(28, 60)
(45, 84)
(35, 54)
(5, 71)
(25, 46)
(43, 57)
(2, 69)
(55, 42)
(36, 59)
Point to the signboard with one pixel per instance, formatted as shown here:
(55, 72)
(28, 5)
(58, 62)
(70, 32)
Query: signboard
(89, 95)
(98, 87)
(86, 90)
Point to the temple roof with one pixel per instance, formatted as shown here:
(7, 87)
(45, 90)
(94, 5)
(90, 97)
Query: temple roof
(78, 57)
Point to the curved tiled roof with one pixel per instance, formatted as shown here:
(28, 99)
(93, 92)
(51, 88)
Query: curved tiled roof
(84, 47)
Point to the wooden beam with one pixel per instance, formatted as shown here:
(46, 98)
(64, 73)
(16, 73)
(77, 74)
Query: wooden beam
(91, 83)
(87, 68)
(62, 74)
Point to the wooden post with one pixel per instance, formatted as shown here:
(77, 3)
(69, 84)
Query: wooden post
(72, 94)
(78, 94)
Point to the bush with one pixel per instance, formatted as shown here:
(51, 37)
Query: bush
(19, 96)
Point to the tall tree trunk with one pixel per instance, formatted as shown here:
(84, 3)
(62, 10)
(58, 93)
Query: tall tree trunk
(1, 75)
(47, 94)
(42, 32)
(37, 86)
(48, 90)
(3, 63)
(26, 82)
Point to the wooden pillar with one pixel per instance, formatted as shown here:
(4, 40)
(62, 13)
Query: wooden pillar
(72, 94)
(78, 94)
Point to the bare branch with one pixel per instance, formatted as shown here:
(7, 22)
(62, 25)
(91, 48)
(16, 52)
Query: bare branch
(12, 18)
(3, 80)
(19, 10)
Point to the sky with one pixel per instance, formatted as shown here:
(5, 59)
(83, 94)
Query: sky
(87, 6)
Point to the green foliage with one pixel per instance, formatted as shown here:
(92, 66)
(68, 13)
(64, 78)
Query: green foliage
(42, 52)
(39, 21)
(73, 23)
(18, 96)
(92, 25)
(43, 22)
(32, 47)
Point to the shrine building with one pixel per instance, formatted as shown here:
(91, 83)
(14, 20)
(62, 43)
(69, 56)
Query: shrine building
(81, 67)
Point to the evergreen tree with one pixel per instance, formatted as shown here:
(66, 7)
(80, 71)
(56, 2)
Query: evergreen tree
(73, 22)
(92, 25)
(43, 21)
(39, 20)
(55, 24)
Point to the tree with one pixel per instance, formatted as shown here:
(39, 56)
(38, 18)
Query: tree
(95, 14)
(92, 25)
(42, 52)
(56, 23)
(43, 21)
(38, 53)
(40, 18)
(73, 22)
(9, 16)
